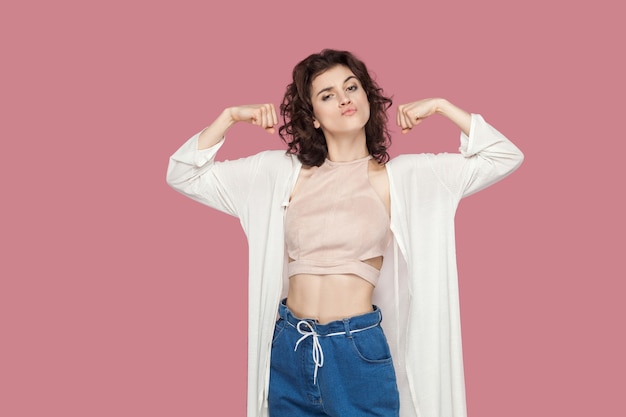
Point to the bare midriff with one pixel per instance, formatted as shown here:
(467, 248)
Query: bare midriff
(327, 298)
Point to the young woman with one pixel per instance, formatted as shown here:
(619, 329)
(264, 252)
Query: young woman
(339, 235)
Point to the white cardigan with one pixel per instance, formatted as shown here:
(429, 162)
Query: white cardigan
(417, 290)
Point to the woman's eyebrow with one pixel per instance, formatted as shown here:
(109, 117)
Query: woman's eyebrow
(330, 88)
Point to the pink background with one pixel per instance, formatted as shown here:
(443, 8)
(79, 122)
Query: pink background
(120, 297)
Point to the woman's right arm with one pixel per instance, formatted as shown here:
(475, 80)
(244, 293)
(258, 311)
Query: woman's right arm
(263, 115)
(193, 171)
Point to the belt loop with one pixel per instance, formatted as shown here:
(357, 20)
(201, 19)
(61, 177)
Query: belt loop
(380, 314)
(346, 325)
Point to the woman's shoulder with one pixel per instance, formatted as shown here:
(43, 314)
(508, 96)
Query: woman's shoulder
(422, 158)
(408, 160)
(277, 160)
(277, 156)
(422, 165)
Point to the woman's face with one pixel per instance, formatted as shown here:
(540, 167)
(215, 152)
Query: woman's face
(339, 101)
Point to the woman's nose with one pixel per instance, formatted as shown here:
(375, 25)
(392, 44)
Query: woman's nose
(344, 100)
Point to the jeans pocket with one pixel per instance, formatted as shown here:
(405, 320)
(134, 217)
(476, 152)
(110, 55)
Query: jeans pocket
(371, 345)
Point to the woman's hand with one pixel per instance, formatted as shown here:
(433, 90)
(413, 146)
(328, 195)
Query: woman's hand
(263, 115)
(412, 114)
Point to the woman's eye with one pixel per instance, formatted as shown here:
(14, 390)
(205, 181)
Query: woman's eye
(325, 97)
(352, 88)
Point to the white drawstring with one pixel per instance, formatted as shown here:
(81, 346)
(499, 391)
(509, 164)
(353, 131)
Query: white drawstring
(316, 352)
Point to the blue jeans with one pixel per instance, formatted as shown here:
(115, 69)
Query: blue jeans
(342, 368)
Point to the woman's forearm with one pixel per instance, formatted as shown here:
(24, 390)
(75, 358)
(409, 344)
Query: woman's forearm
(455, 114)
(216, 130)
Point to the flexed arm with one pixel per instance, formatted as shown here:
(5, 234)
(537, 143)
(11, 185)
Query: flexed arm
(225, 185)
(263, 115)
(485, 155)
(412, 114)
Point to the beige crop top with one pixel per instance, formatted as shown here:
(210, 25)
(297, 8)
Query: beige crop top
(336, 221)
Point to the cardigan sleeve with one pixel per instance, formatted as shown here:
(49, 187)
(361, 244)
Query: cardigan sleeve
(223, 185)
(485, 157)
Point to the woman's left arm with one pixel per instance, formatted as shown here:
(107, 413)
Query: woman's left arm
(485, 155)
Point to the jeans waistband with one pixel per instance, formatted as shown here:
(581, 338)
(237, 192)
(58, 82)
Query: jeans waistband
(344, 326)
(310, 328)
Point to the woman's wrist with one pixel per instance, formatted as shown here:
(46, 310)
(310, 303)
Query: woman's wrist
(226, 118)
(443, 107)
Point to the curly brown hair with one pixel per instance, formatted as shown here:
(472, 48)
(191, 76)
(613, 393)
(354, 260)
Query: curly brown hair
(296, 109)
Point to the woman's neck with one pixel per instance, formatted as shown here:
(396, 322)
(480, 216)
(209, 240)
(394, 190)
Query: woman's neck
(347, 148)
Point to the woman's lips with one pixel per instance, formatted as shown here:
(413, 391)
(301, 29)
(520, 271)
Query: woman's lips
(348, 112)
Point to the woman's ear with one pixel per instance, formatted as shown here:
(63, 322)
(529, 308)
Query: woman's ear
(316, 124)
